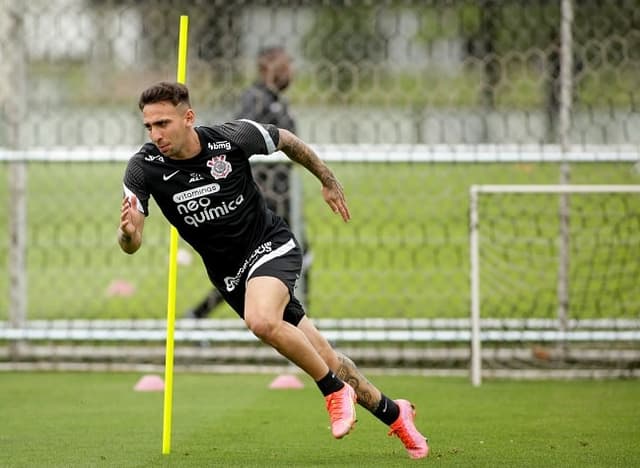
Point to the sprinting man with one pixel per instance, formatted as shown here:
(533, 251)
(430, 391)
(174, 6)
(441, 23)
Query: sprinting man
(265, 103)
(201, 179)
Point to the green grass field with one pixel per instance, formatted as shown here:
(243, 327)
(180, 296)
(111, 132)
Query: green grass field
(95, 420)
(404, 254)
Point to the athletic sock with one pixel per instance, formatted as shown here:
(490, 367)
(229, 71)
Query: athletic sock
(387, 411)
(329, 384)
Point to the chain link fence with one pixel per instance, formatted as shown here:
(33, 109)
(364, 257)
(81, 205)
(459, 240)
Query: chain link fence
(431, 77)
(396, 71)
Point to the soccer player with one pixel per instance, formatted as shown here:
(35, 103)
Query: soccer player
(264, 102)
(201, 180)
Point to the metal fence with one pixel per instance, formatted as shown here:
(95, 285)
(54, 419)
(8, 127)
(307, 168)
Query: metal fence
(404, 71)
(428, 96)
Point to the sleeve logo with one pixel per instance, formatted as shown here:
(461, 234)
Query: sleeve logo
(220, 167)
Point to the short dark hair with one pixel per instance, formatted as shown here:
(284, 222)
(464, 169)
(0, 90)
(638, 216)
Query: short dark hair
(269, 52)
(165, 91)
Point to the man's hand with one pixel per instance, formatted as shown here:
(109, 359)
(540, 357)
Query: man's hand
(334, 196)
(131, 224)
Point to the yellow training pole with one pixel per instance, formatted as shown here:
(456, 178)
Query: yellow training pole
(173, 267)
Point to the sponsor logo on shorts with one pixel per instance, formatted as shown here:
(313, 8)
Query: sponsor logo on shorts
(231, 282)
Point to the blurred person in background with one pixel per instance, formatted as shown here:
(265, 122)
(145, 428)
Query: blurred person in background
(264, 102)
(201, 179)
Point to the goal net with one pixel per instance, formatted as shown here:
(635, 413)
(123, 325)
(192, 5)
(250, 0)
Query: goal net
(554, 265)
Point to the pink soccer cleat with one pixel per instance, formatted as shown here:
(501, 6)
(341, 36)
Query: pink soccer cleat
(405, 429)
(342, 410)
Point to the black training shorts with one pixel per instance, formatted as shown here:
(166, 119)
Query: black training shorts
(279, 257)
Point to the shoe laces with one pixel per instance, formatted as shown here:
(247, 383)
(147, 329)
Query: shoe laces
(404, 435)
(334, 402)
(405, 432)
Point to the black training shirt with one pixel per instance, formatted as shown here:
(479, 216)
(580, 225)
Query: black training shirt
(211, 199)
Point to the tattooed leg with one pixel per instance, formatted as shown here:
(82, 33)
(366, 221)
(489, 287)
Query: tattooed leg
(368, 395)
(381, 406)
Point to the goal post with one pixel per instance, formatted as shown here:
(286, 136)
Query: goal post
(625, 211)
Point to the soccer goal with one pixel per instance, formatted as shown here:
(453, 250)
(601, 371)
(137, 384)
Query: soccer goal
(554, 265)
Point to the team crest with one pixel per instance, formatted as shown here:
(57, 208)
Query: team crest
(220, 167)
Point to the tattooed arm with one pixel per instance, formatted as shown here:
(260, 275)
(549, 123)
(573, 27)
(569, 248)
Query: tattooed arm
(298, 151)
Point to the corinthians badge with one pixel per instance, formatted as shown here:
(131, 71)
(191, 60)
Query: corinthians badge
(220, 167)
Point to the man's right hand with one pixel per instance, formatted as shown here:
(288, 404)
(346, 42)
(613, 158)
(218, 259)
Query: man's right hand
(131, 223)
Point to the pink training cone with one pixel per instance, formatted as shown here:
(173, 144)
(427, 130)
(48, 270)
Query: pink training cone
(149, 383)
(120, 288)
(286, 381)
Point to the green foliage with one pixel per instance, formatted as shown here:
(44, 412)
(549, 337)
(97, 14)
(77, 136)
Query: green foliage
(506, 24)
(340, 41)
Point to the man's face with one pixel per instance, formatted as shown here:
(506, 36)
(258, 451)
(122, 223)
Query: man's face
(282, 71)
(168, 126)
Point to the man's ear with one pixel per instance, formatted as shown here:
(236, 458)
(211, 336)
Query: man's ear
(190, 118)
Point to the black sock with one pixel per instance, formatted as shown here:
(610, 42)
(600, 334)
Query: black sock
(387, 411)
(329, 384)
